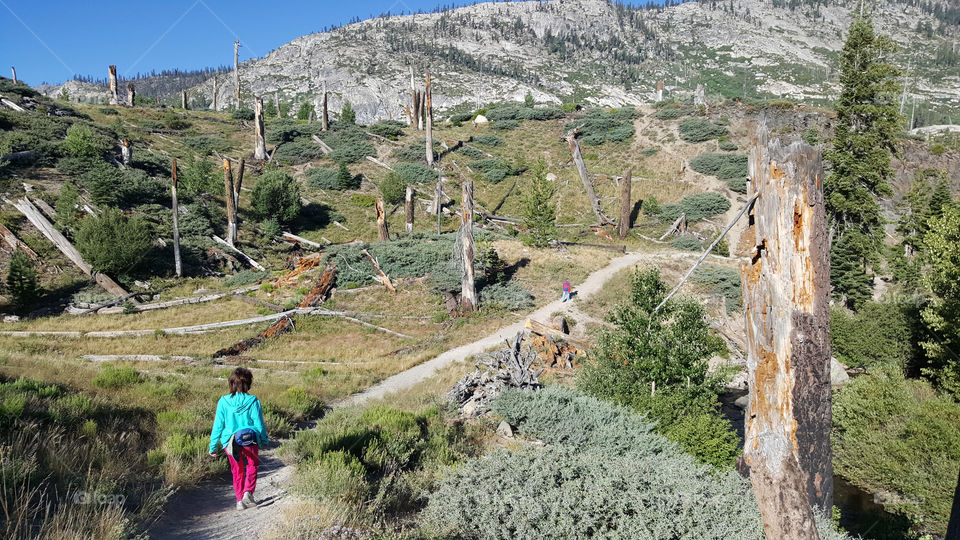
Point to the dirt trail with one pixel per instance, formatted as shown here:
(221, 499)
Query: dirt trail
(208, 511)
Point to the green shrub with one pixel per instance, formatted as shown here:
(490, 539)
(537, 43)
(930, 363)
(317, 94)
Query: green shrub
(413, 255)
(117, 377)
(323, 178)
(409, 154)
(488, 140)
(505, 125)
(651, 206)
(108, 111)
(472, 152)
(696, 130)
(459, 119)
(686, 243)
(352, 152)
(362, 200)
(393, 188)
(276, 196)
(22, 284)
(811, 136)
(672, 113)
(509, 295)
(84, 141)
(881, 425)
(299, 152)
(413, 173)
(206, 144)
(728, 146)
(245, 277)
(298, 404)
(880, 336)
(199, 176)
(387, 130)
(285, 130)
(540, 114)
(347, 114)
(697, 207)
(494, 169)
(242, 114)
(599, 126)
(723, 166)
(305, 112)
(336, 476)
(723, 282)
(175, 122)
(112, 242)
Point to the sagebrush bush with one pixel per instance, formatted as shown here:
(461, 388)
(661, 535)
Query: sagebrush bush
(410, 256)
(386, 129)
(696, 130)
(299, 152)
(112, 242)
(728, 146)
(505, 125)
(276, 196)
(697, 207)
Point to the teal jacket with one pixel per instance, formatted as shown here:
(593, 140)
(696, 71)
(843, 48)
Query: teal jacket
(235, 412)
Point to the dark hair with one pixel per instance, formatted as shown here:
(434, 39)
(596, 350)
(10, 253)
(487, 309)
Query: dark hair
(240, 380)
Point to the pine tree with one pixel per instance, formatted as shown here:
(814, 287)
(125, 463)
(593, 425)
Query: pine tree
(867, 123)
(347, 114)
(538, 212)
(22, 281)
(941, 253)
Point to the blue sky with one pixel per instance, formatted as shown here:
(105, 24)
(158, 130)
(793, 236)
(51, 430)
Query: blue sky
(53, 40)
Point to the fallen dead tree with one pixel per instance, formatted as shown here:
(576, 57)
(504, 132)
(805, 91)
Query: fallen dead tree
(618, 249)
(15, 243)
(381, 276)
(243, 255)
(110, 307)
(510, 367)
(554, 333)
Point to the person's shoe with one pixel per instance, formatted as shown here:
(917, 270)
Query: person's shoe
(240, 505)
(248, 501)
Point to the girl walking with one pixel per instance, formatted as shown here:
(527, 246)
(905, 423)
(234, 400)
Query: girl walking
(238, 429)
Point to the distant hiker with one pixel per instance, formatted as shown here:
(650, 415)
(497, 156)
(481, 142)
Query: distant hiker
(566, 291)
(238, 429)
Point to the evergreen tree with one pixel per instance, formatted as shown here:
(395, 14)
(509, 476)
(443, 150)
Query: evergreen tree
(347, 114)
(22, 281)
(941, 252)
(269, 109)
(538, 212)
(867, 123)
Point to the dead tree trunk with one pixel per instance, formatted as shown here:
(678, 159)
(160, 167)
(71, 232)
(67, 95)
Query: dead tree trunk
(326, 111)
(468, 292)
(237, 184)
(659, 91)
(408, 208)
(183, 99)
(786, 293)
(429, 122)
(231, 209)
(13, 71)
(214, 92)
(585, 178)
(259, 144)
(409, 117)
(177, 263)
(236, 71)
(126, 151)
(383, 235)
(700, 98)
(15, 243)
(623, 225)
(114, 96)
(131, 94)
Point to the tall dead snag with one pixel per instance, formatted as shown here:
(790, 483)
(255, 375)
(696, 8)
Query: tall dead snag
(259, 143)
(276, 99)
(13, 71)
(214, 92)
(231, 208)
(623, 226)
(786, 298)
(114, 96)
(700, 98)
(126, 152)
(408, 208)
(326, 113)
(177, 263)
(585, 178)
(131, 94)
(183, 99)
(468, 292)
(236, 71)
(237, 184)
(383, 235)
(659, 91)
(429, 122)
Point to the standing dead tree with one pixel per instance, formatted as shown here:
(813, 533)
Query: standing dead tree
(177, 263)
(126, 152)
(236, 71)
(623, 225)
(259, 143)
(786, 297)
(408, 208)
(468, 291)
(114, 95)
(214, 92)
(237, 184)
(231, 207)
(438, 198)
(585, 178)
(183, 99)
(429, 122)
(383, 234)
(131, 94)
(325, 118)
(13, 71)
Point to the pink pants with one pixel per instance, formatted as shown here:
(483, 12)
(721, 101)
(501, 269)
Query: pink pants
(245, 477)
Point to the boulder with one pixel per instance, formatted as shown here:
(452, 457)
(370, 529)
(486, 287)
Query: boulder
(504, 429)
(481, 119)
(838, 373)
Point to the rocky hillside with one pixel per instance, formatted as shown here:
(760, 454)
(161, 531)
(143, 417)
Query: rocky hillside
(603, 53)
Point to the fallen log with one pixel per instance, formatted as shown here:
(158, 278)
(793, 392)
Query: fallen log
(544, 330)
(378, 162)
(107, 310)
(243, 255)
(11, 240)
(618, 249)
(257, 302)
(323, 146)
(341, 225)
(381, 276)
(16, 156)
(302, 240)
(10, 105)
(320, 292)
(678, 226)
(137, 358)
(283, 325)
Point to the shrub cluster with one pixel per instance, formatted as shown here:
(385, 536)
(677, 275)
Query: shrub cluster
(729, 167)
(697, 207)
(414, 173)
(487, 139)
(298, 152)
(276, 196)
(505, 125)
(599, 126)
(338, 179)
(392, 130)
(112, 242)
(697, 130)
(494, 169)
(206, 144)
(686, 243)
(508, 295)
(410, 256)
(393, 188)
(723, 282)
(880, 335)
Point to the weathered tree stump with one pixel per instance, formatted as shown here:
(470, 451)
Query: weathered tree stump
(131, 94)
(214, 92)
(231, 208)
(408, 208)
(236, 71)
(183, 99)
(114, 95)
(383, 234)
(126, 152)
(259, 143)
(786, 292)
(585, 178)
(468, 291)
(325, 119)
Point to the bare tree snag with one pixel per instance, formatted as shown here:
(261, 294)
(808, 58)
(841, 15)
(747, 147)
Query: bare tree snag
(11, 240)
(183, 99)
(380, 276)
(126, 152)
(326, 111)
(786, 293)
(408, 209)
(214, 92)
(236, 71)
(13, 71)
(131, 94)
(259, 143)
(429, 122)
(243, 255)
(114, 95)
(237, 184)
(231, 208)
(623, 225)
(659, 91)
(468, 291)
(700, 98)
(409, 116)
(585, 178)
(177, 263)
(383, 235)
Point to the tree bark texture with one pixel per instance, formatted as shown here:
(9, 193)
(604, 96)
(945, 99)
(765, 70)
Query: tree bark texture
(408, 209)
(468, 291)
(114, 95)
(429, 122)
(623, 226)
(383, 235)
(786, 292)
(953, 528)
(231, 209)
(177, 263)
(259, 143)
